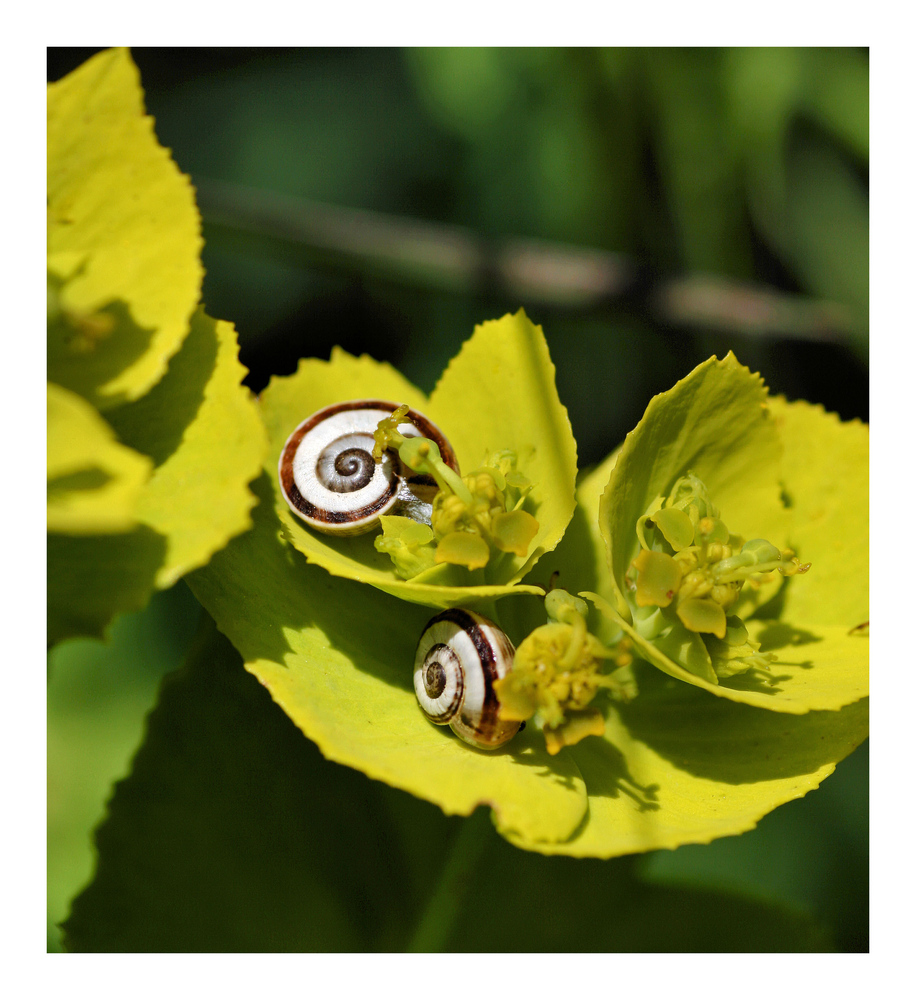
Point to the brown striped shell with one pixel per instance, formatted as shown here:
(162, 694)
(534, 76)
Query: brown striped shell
(330, 479)
(459, 656)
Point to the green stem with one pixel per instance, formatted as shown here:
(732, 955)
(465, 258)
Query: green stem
(576, 642)
(437, 920)
(422, 455)
(455, 482)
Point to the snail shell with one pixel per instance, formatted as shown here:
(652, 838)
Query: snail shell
(459, 656)
(330, 479)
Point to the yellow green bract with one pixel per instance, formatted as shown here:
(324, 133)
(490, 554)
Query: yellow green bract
(200, 432)
(683, 768)
(673, 766)
(124, 271)
(338, 656)
(787, 472)
(497, 394)
(202, 428)
(139, 497)
(94, 481)
(824, 473)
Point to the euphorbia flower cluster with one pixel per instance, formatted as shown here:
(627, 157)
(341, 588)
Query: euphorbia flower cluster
(473, 517)
(689, 574)
(557, 673)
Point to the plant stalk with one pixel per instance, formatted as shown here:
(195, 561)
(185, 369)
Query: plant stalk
(437, 921)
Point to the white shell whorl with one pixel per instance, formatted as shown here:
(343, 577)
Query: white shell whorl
(459, 656)
(329, 478)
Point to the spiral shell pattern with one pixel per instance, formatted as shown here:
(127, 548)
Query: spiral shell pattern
(459, 656)
(330, 479)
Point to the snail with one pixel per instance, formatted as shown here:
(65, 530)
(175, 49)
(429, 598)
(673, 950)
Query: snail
(459, 656)
(330, 479)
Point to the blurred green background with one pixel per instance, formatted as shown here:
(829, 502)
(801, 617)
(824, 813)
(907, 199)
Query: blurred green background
(724, 190)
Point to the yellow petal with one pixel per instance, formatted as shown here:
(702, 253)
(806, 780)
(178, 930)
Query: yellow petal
(463, 549)
(702, 615)
(513, 531)
(658, 580)
(574, 730)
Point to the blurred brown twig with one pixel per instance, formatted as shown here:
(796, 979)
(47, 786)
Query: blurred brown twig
(457, 259)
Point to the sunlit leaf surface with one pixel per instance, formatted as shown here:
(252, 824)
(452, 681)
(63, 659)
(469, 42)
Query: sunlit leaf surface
(94, 481)
(201, 429)
(824, 473)
(337, 656)
(123, 237)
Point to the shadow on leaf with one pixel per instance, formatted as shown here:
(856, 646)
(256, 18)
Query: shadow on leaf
(85, 352)
(92, 578)
(737, 744)
(156, 423)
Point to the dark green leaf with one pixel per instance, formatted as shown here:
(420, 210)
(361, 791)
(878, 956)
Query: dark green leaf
(233, 834)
